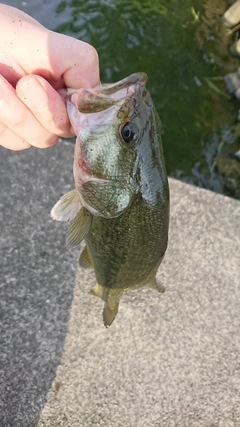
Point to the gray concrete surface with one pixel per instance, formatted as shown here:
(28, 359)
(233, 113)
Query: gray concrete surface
(168, 360)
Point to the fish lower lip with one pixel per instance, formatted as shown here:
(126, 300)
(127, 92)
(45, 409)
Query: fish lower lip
(85, 174)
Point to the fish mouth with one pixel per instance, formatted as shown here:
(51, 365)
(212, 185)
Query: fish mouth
(104, 97)
(96, 107)
(90, 108)
(139, 79)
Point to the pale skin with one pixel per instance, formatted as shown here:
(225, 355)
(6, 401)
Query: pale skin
(36, 67)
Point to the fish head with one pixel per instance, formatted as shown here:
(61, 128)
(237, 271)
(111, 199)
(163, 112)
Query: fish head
(113, 124)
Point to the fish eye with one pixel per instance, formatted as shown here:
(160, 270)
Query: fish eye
(129, 132)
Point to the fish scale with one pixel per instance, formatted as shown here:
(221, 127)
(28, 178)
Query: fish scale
(128, 244)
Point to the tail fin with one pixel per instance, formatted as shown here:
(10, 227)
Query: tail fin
(109, 314)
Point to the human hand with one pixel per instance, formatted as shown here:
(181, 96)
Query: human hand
(36, 65)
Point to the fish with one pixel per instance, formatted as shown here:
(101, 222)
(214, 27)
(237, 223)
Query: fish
(120, 203)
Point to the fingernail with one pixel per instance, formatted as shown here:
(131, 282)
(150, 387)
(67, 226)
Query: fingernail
(32, 93)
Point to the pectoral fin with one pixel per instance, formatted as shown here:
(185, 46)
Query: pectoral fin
(85, 260)
(79, 227)
(67, 207)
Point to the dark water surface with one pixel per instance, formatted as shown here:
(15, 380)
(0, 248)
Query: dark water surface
(179, 44)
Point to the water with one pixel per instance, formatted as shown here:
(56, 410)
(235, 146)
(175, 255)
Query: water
(178, 44)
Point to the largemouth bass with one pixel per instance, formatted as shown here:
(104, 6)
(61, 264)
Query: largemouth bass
(120, 204)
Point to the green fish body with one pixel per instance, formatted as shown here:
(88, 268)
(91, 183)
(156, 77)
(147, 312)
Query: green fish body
(120, 205)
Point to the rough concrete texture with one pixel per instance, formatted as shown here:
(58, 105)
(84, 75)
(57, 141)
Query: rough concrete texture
(168, 360)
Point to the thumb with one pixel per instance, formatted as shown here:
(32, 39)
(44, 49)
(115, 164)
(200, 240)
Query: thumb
(29, 48)
(75, 61)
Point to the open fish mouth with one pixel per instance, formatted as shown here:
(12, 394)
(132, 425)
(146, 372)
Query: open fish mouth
(93, 107)
(94, 111)
(86, 99)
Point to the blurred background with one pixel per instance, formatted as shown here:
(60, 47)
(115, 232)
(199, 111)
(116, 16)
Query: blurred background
(184, 48)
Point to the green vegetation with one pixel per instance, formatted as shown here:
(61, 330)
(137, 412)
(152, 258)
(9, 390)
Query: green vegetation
(183, 47)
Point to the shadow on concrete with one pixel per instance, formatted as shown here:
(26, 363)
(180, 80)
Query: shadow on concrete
(37, 279)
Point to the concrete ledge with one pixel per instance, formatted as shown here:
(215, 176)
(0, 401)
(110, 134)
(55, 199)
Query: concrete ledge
(168, 360)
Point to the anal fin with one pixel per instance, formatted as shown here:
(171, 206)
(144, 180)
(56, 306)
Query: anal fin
(160, 288)
(154, 284)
